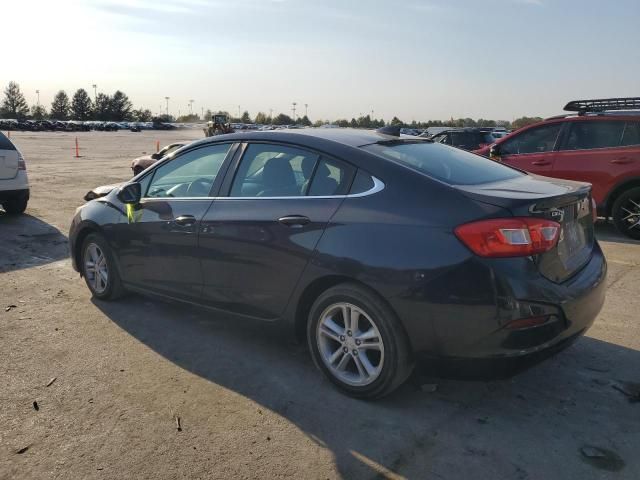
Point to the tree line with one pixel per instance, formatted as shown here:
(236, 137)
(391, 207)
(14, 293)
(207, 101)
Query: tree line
(117, 107)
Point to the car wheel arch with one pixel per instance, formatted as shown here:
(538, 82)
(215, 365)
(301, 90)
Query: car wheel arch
(318, 286)
(619, 190)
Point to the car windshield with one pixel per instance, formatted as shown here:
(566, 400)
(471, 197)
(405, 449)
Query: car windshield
(444, 163)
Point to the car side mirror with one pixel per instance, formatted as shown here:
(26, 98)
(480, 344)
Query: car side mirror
(130, 193)
(156, 156)
(494, 152)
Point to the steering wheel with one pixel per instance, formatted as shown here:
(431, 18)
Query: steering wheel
(199, 188)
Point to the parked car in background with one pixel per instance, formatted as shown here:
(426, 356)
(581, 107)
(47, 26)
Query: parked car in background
(599, 144)
(144, 162)
(14, 183)
(334, 233)
(465, 138)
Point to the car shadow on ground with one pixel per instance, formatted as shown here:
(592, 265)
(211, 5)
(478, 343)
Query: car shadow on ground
(571, 400)
(607, 232)
(27, 241)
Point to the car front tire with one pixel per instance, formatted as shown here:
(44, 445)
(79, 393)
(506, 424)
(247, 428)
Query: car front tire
(99, 269)
(357, 341)
(626, 213)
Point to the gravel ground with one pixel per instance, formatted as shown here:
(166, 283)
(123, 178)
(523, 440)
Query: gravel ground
(249, 400)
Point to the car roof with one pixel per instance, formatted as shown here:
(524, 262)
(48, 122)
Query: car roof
(351, 137)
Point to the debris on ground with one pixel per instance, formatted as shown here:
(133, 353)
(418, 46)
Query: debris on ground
(602, 458)
(178, 425)
(35, 406)
(429, 387)
(592, 452)
(10, 307)
(51, 381)
(20, 451)
(631, 390)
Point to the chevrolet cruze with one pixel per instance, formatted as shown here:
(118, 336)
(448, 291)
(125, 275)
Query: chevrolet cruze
(381, 250)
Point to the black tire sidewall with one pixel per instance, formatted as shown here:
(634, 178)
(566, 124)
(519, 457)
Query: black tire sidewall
(113, 279)
(394, 346)
(617, 213)
(16, 205)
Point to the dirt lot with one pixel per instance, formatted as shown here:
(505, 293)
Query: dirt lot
(250, 402)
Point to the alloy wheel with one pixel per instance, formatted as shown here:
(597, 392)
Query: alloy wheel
(631, 214)
(95, 268)
(350, 344)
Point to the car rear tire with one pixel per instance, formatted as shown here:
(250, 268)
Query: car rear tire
(16, 205)
(357, 341)
(626, 213)
(99, 269)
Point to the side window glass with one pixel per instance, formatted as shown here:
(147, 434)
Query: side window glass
(269, 170)
(584, 135)
(330, 178)
(189, 175)
(537, 140)
(631, 134)
(361, 183)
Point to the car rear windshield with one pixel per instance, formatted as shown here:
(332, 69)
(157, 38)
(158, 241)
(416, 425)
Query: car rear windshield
(444, 163)
(5, 143)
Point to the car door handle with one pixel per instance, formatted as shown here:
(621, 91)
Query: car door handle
(541, 162)
(622, 161)
(294, 220)
(185, 220)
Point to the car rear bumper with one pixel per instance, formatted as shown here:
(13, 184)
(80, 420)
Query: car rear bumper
(10, 194)
(481, 344)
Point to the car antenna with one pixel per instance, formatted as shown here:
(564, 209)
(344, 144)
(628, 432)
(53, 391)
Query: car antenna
(392, 130)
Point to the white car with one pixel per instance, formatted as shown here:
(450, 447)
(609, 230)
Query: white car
(14, 183)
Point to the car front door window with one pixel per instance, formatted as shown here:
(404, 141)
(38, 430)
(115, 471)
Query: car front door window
(189, 175)
(537, 140)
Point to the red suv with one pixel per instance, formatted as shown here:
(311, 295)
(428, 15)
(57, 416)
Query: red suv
(599, 144)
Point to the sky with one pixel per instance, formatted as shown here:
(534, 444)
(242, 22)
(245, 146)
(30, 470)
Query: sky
(418, 60)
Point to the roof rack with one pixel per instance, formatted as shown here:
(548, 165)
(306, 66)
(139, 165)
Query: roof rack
(603, 105)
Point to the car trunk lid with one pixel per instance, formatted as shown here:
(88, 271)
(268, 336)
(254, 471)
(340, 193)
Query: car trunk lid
(563, 201)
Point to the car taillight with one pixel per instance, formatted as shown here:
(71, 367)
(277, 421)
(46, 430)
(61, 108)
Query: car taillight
(509, 237)
(21, 164)
(594, 210)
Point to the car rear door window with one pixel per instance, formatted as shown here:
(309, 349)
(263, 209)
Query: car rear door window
(331, 177)
(363, 182)
(631, 135)
(586, 135)
(271, 170)
(189, 175)
(536, 140)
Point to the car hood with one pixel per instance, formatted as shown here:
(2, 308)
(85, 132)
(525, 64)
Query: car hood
(145, 160)
(101, 191)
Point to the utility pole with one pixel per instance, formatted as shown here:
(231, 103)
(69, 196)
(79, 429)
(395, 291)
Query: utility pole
(190, 107)
(306, 106)
(38, 94)
(95, 94)
(167, 99)
(239, 113)
(294, 111)
(202, 108)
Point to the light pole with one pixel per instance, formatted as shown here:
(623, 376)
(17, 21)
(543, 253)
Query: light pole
(38, 94)
(202, 108)
(306, 106)
(190, 107)
(167, 99)
(239, 113)
(271, 115)
(95, 93)
(294, 111)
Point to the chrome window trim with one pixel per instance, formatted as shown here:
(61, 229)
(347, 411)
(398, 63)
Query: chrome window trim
(378, 186)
